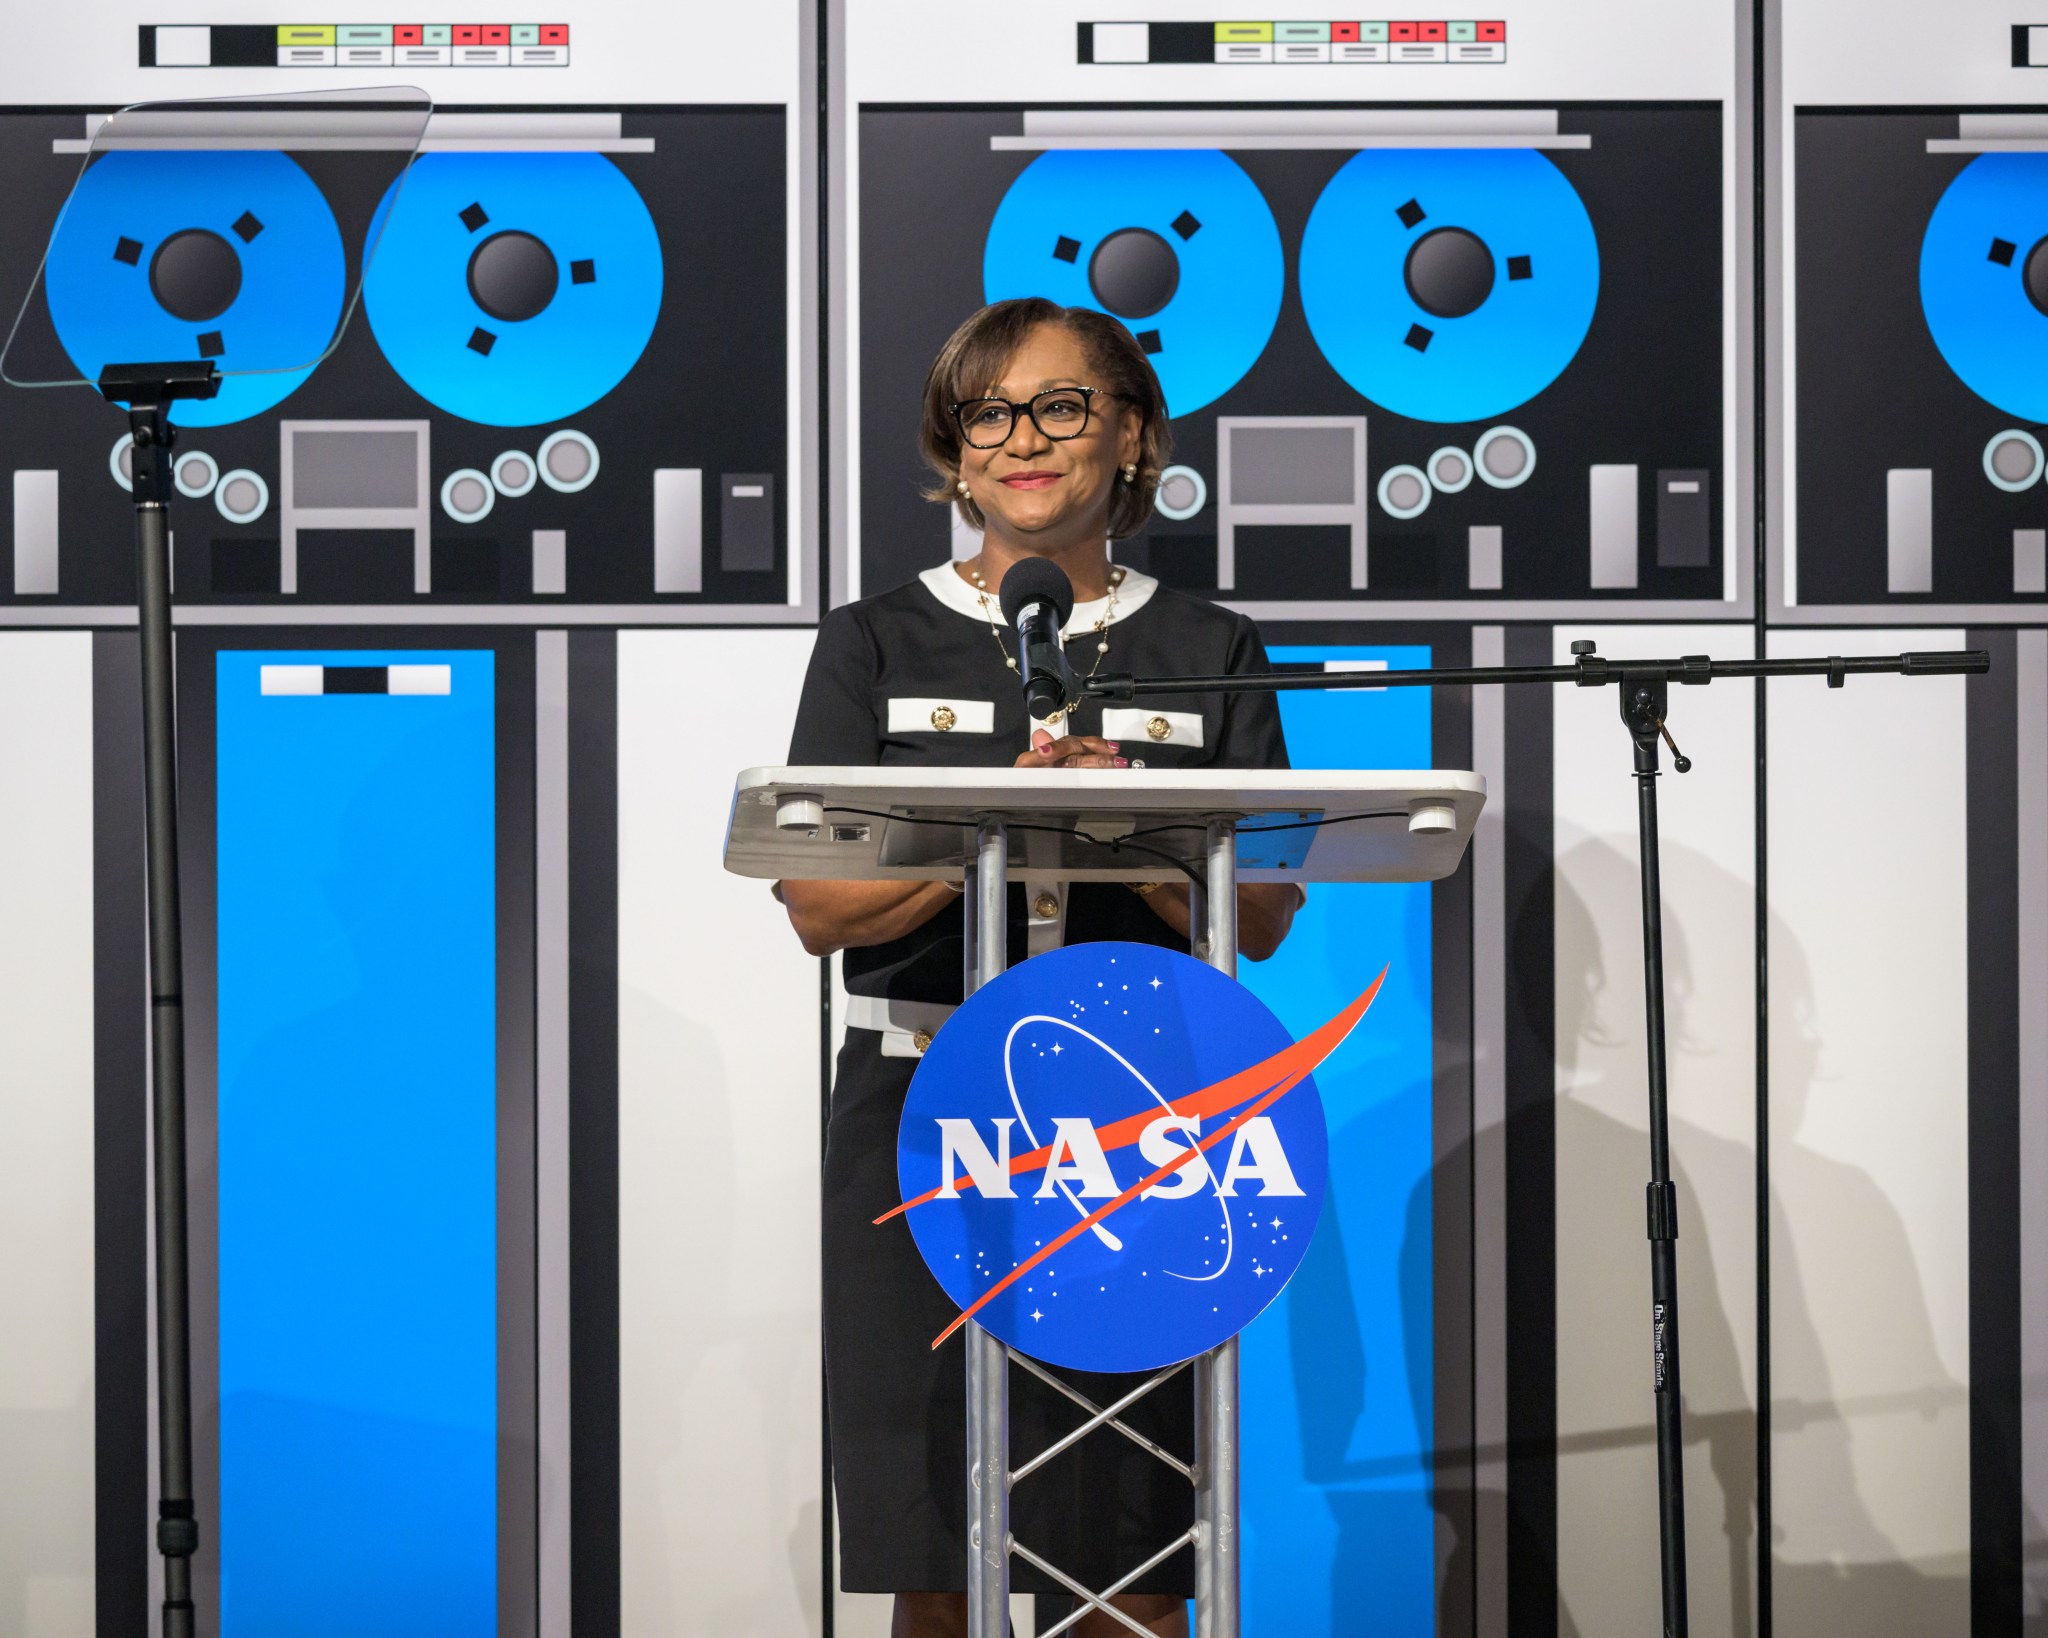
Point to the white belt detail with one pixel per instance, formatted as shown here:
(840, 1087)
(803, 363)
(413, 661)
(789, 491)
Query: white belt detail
(906, 1027)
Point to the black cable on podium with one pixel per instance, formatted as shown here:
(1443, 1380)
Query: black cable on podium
(1644, 687)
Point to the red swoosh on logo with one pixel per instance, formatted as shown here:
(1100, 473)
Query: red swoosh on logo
(1266, 1082)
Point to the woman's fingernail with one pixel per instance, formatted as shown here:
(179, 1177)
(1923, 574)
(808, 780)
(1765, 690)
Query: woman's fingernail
(1114, 746)
(1123, 762)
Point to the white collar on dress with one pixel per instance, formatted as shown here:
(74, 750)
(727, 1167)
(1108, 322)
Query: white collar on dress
(943, 582)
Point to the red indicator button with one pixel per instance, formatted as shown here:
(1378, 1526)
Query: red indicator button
(468, 34)
(1344, 32)
(1492, 31)
(497, 34)
(1402, 31)
(1431, 31)
(554, 34)
(405, 34)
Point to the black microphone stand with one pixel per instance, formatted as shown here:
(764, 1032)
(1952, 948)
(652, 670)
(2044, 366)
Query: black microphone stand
(1644, 689)
(149, 391)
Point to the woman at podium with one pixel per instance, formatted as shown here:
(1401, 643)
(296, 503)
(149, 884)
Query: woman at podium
(1047, 430)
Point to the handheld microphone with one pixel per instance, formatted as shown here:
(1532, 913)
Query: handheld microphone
(1037, 597)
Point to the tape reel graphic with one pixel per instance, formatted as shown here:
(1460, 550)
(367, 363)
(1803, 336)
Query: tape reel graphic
(513, 288)
(1449, 285)
(1984, 280)
(1178, 244)
(231, 255)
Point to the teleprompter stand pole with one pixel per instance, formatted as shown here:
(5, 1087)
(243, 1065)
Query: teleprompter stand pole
(149, 390)
(1645, 697)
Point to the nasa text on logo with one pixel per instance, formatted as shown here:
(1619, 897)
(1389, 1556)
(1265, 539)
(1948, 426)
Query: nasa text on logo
(1113, 1156)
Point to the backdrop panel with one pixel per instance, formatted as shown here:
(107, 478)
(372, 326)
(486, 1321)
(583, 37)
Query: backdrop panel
(719, 1014)
(47, 1376)
(1339, 1425)
(1870, 1085)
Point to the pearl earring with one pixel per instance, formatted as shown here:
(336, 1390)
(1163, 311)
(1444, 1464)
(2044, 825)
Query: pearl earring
(961, 485)
(1131, 473)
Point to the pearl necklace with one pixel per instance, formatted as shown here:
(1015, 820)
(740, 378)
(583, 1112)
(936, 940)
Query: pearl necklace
(995, 626)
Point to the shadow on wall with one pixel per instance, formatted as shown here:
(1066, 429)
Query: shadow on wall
(1835, 1570)
(1608, 1569)
(1844, 1450)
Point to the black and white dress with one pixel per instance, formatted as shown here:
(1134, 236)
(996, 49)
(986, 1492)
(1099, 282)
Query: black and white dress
(917, 676)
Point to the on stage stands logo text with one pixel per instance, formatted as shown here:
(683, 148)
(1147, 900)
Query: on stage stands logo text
(1113, 1156)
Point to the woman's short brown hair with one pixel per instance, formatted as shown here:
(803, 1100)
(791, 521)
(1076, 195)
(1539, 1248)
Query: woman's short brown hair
(974, 356)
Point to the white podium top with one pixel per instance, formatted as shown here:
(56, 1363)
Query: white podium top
(917, 824)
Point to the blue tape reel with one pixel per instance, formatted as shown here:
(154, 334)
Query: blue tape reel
(1446, 284)
(513, 288)
(1984, 280)
(1177, 244)
(232, 256)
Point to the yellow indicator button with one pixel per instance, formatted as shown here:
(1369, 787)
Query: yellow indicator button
(1241, 33)
(305, 34)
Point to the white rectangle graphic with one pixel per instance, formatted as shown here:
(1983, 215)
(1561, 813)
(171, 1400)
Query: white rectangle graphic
(293, 679)
(1909, 530)
(550, 561)
(2030, 560)
(184, 46)
(678, 529)
(35, 533)
(1611, 561)
(418, 679)
(1123, 42)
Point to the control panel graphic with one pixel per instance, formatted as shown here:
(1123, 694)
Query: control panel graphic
(1921, 343)
(1409, 353)
(565, 378)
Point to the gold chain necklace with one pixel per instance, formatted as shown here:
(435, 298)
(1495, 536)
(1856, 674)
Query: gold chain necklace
(1116, 579)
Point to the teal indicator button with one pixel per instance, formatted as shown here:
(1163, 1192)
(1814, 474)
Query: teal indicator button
(362, 34)
(437, 34)
(526, 34)
(1302, 33)
(1465, 32)
(1373, 32)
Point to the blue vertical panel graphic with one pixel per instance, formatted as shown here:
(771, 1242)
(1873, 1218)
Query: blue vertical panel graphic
(357, 1143)
(1337, 1375)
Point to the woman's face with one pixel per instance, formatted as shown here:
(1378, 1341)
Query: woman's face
(1042, 493)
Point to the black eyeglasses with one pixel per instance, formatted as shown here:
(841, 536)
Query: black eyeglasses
(1060, 413)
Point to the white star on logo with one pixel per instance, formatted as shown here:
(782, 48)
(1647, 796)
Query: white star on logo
(1035, 1314)
(1057, 1049)
(1260, 1272)
(1155, 983)
(1276, 1222)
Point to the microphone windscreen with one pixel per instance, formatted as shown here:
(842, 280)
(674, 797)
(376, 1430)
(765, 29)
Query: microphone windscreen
(1036, 580)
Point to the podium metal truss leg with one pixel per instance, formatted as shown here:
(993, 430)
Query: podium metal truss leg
(1215, 1535)
(1216, 1466)
(988, 1361)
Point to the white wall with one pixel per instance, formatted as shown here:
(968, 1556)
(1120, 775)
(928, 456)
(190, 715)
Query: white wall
(719, 1392)
(46, 1135)
(1608, 1580)
(1869, 1147)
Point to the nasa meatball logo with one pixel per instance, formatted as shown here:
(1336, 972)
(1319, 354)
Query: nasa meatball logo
(1113, 1156)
